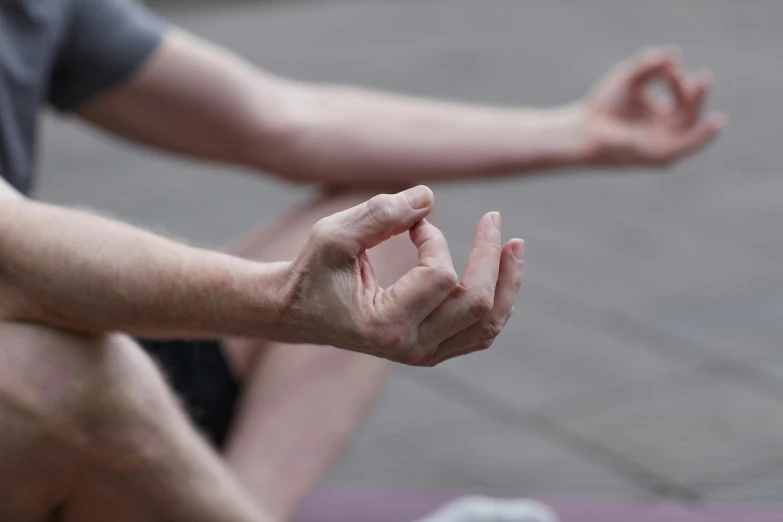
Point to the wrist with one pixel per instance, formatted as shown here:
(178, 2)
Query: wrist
(599, 144)
(576, 126)
(556, 137)
(265, 293)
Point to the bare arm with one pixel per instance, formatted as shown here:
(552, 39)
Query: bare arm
(200, 100)
(80, 271)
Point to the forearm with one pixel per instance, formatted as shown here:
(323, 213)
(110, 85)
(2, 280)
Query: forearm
(349, 135)
(78, 271)
(197, 99)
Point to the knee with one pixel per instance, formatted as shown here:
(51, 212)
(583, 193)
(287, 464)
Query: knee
(45, 377)
(99, 402)
(73, 385)
(52, 390)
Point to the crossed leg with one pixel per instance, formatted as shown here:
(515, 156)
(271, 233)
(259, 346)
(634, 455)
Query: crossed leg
(301, 403)
(93, 433)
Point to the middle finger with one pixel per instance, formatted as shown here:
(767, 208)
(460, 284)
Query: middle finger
(474, 297)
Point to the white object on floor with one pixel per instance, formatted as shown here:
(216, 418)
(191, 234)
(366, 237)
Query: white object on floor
(486, 509)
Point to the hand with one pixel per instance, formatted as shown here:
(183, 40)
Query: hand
(332, 297)
(627, 124)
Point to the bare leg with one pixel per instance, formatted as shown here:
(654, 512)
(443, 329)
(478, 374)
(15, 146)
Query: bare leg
(92, 433)
(301, 404)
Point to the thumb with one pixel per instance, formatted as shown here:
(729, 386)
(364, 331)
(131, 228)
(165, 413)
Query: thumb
(376, 220)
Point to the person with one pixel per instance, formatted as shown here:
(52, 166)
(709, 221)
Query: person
(299, 318)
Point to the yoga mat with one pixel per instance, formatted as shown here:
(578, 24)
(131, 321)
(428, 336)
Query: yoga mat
(368, 506)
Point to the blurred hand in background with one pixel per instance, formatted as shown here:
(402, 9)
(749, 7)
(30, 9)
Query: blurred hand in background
(629, 123)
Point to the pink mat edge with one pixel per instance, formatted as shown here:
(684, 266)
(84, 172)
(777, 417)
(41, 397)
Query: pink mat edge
(344, 505)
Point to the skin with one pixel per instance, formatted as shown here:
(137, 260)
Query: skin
(301, 403)
(81, 276)
(124, 279)
(318, 133)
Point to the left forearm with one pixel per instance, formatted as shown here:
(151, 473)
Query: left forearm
(349, 135)
(200, 100)
(197, 99)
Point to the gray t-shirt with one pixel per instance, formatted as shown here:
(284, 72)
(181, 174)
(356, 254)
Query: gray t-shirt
(62, 52)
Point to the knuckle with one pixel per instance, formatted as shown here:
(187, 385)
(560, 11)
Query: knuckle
(493, 249)
(427, 362)
(446, 277)
(485, 345)
(420, 358)
(480, 304)
(460, 292)
(380, 208)
(438, 356)
(490, 330)
(322, 232)
(327, 238)
(390, 340)
(516, 282)
(427, 356)
(321, 228)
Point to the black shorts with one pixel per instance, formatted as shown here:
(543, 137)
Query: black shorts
(199, 373)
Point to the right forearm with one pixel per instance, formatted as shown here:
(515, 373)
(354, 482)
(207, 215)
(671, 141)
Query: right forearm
(79, 271)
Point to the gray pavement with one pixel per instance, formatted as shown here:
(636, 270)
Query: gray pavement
(645, 358)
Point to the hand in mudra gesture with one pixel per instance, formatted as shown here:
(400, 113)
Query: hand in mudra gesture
(429, 315)
(629, 124)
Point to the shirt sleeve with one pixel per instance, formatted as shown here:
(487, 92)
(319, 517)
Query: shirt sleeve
(105, 42)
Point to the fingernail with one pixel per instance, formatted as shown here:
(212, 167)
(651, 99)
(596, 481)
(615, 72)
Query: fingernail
(418, 197)
(495, 216)
(519, 250)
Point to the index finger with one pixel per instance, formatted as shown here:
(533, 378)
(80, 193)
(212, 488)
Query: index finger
(416, 294)
(675, 79)
(661, 64)
(651, 63)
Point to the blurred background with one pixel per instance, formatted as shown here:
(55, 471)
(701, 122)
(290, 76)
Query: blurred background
(644, 360)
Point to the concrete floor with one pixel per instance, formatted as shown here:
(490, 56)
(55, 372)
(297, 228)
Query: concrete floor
(645, 358)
